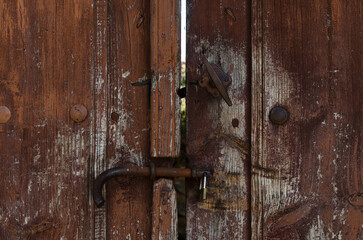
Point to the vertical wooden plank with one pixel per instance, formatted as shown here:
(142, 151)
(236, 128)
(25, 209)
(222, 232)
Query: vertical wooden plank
(307, 175)
(165, 68)
(99, 114)
(129, 200)
(218, 135)
(165, 216)
(256, 116)
(46, 63)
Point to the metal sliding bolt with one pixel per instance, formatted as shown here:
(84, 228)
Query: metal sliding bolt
(145, 172)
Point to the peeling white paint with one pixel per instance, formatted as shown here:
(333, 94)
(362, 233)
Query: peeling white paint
(26, 220)
(126, 74)
(317, 230)
(337, 116)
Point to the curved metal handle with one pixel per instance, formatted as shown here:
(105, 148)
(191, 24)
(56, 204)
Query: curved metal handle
(111, 173)
(139, 171)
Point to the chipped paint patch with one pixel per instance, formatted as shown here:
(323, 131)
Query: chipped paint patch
(125, 74)
(317, 230)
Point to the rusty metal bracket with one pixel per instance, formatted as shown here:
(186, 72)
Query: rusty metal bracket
(216, 81)
(142, 172)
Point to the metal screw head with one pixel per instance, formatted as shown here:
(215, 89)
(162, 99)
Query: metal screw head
(278, 115)
(78, 113)
(5, 114)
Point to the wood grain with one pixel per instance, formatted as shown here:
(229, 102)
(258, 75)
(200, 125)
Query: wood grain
(218, 135)
(44, 155)
(165, 216)
(165, 68)
(129, 200)
(99, 114)
(55, 55)
(307, 57)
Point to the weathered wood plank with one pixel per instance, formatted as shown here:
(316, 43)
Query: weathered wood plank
(218, 135)
(165, 216)
(307, 57)
(256, 116)
(98, 115)
(129, 200)
(46, 63)
(165, 67)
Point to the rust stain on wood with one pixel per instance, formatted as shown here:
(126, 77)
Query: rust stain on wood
(236, 142)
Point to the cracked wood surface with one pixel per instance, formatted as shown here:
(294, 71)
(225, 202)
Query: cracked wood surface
(307, 57)
(218, 135)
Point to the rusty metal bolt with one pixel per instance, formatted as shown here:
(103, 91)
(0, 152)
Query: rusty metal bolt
(78, 113)
(278, 115)
(5, 114)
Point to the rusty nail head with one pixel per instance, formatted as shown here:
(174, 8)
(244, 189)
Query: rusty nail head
(5, 114)
(229, 12)
(115, 116)
(78, 113)
(278, 115)
(140, 21)
(235, 122)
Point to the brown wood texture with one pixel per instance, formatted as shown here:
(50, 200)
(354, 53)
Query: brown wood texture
(164, 216)
(46, 66)
(99, 109)
(165, 67)
(307, 173)
(55, 55)
(129, 200)
(218, 135)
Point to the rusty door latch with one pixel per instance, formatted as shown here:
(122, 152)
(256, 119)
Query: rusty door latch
(220, 81)
(152, 172)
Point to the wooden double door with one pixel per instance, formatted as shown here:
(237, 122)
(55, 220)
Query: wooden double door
(86, 85)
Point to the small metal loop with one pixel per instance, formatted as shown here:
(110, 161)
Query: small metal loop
(204, 186)
(152, 171)
(204, 180)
